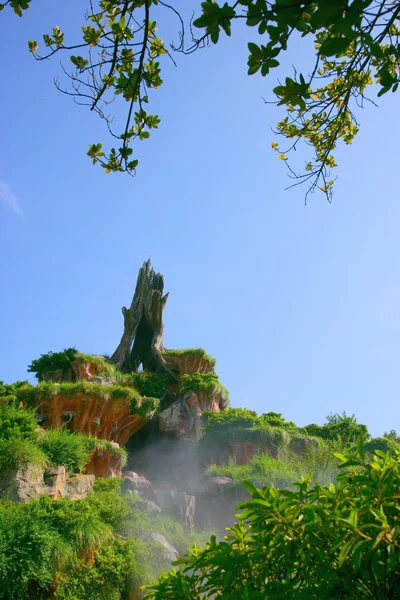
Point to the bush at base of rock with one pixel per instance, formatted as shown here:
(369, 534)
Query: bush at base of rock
(310, 543)
(84, 549)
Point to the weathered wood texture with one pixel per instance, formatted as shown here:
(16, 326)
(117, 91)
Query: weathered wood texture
(141, 342)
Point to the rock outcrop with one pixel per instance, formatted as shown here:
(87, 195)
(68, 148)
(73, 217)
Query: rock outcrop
(32, 482)
(188, 363)
(104, 463)
(168, 552)
(240, 452)
(216, 502)
(178, 505)
(92, 413)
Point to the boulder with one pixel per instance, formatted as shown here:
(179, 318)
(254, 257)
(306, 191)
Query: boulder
(169, 553)
(78, 486)
(301, 445)
(148, 506)
(132, 482)
(32, 482)
(216, 501)
(178, 505)
(214, 486)
(172, 418)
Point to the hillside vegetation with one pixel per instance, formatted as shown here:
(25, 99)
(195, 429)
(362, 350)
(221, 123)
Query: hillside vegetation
(328, 508)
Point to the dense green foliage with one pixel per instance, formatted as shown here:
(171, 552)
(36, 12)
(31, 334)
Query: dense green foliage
(18, 452)
(55, 361)
(149, 384)
(236, 425)
(8, 391)
(17, 422)
(89, 547)
(65, 448)
(52, 361)
(207, 383)
(313, 542)
(338, 427)
(283, 471)
(354, 46)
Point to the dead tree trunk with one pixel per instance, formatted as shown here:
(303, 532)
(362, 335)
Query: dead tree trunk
(141, 342)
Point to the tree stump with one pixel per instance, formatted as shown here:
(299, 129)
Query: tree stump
(141, 341)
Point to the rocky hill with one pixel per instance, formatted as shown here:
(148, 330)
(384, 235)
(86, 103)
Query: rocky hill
(145, 444)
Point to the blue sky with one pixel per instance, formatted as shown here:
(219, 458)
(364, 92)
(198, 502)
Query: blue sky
(300, 305)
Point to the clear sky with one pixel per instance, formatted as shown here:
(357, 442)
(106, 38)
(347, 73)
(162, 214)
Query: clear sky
(299, 305)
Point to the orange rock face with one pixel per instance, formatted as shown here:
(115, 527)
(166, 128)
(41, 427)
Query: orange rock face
(104, 464)
(96, 417)
(190, 365)
(209, 401)
(78, 371)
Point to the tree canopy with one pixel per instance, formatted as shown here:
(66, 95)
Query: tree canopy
(119, 52)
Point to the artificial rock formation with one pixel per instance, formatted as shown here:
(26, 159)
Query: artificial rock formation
(104, 463)
(92, 414)
(32, 482)
(141, 342)
(240, 452)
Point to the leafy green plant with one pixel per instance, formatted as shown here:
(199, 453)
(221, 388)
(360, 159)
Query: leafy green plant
(313, 542)
(356, 45)
(52, 361)
(342, 428)
(149, 384)
(107, 577)
(16, 453)
(8, 391)
(107, 484)
(264, 470)
(207, 383)
(277, 420)
(17, 423)
(238, 425)
(63, 447)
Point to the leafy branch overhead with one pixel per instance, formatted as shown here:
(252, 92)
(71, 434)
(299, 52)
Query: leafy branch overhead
(117, 56)
(355, 45)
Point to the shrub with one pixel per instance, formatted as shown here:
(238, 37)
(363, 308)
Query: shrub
(104, 578)
(149, 384)
(17, 422)
(107, 484)
(63, 447)
(41, 538)
(52, 361)
(276, 420)
(338, 428)
(201, 382)
(17, 453)
(8, 391)
(316, 543)
(238, 425)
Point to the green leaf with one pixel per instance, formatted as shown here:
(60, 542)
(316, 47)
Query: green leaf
(250, 487)
(255, 50)
(334, 46)
(254, 68)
